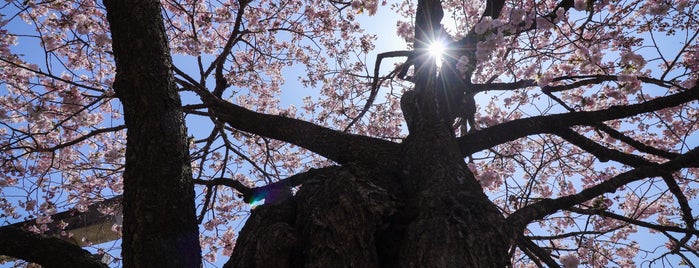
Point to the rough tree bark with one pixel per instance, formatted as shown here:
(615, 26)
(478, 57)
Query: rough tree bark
(160, 228)
(44, 250)
(384, 204)
(427, 210)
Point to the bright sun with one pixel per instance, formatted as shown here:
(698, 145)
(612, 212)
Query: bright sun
(436, 50)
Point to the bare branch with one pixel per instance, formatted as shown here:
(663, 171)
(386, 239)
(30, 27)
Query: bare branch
(376, 84)
(527, 245)
(509, 131)
(334, 145)
(252, 194)
(657, 227)
(602, 153)
(82, 138)
(245, 191)
(686, 210)
(502, 86)
(545, 207)
(39, 72)
(493, 8)
(620, 136)
(596, 79)
(634, 161)
(44, 250)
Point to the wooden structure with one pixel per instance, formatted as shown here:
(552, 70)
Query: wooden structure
(87, 228)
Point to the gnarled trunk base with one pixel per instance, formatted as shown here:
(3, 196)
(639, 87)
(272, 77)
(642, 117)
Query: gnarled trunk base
(343, 218)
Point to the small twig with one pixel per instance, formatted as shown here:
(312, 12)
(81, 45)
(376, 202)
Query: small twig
(376, 84)
(251, 194)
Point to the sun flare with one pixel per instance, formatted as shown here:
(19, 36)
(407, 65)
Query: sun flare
(436, 50)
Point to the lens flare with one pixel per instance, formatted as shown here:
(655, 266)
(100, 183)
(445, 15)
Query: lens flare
(436, 50)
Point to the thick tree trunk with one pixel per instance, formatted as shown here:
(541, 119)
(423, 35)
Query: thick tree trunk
(455, 224)
(160, 228)
(337, 219)
(429, 213)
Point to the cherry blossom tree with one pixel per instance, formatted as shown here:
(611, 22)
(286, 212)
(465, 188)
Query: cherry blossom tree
(548, 133)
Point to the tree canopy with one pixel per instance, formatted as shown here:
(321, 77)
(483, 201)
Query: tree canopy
(547, 133)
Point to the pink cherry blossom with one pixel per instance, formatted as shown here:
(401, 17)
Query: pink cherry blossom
(570, 261)
(62, 139)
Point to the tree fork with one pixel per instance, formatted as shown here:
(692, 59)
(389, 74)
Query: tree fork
(429, 211)
(456, 225)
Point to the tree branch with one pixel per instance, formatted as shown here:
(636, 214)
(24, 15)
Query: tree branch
(82, 138)
(581, 81)
(634, 161)
(253, 194)
(221, 82)
(502, 86)
(545, 207)
(375, 84)
(596, 79)
(509, 131)
(661, 228)
(527, 245)
(44, 250)
(620, 136)
(39, 72)
(686, 210)
(334, 145)
(602, 153)
(493, 8)
(467, 44)
(80, 223)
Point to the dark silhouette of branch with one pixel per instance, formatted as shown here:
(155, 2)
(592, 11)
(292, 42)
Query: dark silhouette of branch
(634, 161)
(579, 81)
(657, 227)
(334, 145)
(545, 207)
(509, 131)
(245, 191)
(58, 78)
(466, 45)
(634, 143)
(596, 79)
(221, 83)
(252, 194)
(529, 247)
(602, 153)
(573, 234)
(493, 8)
(80, 223)
(82, 138)
(620, 136)
(44, 250)
(686, 210)
(503, 86)
(375, 84)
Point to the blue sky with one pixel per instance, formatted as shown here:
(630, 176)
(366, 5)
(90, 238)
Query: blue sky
(385, 20)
